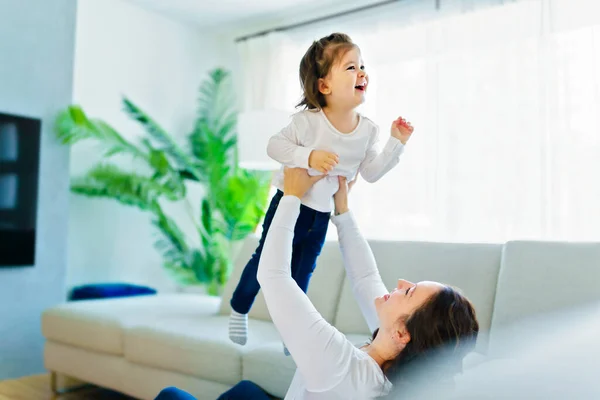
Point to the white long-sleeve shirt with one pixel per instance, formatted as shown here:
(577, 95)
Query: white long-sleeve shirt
(358, 151)
(329, 367)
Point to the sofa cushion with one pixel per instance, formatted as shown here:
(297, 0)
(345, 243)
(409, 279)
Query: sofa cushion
(98, 324)
(324, 288)
(471, 267)
(269, 368)
(194, 346)
(540, 277)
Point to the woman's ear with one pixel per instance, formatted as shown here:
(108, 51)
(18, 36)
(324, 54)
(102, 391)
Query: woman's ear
(402, 336)
(324, 86)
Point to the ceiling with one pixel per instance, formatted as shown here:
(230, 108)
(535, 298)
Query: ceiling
(217, 14)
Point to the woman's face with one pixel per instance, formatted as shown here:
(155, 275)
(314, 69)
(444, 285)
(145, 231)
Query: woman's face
(404, 300)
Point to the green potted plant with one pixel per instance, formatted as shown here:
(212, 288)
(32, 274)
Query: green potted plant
(234, 198)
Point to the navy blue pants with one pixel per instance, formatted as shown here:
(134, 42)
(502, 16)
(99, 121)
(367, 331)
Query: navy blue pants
(309, 237)
(245, 390)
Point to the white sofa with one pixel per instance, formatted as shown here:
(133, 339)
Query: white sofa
(139, 345)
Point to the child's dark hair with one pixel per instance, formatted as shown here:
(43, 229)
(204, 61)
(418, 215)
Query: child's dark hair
(316, 64)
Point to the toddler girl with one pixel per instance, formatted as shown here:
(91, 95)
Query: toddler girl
(327, 137)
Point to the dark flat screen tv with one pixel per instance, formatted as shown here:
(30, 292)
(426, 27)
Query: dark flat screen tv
(19, 172)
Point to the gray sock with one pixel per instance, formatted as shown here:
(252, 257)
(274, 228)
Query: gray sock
(238, 328)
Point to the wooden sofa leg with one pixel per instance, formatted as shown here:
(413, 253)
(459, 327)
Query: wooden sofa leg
(53, 382)
(55, 389)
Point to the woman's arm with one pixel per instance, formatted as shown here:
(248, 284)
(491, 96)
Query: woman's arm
(358, 258)
(320, 351)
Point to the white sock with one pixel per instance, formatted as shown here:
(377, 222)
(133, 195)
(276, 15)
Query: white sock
(238, 328)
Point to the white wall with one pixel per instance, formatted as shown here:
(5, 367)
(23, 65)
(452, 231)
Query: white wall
(158, 63)
(36, 74)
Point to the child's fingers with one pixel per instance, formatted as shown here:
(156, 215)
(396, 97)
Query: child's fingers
(398, 123)
(330, 161)
(329, 165)
(401, 121)
(333, 157)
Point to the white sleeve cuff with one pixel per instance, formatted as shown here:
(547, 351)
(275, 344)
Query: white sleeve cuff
(301, 155)
(393, 145)
(343, 219)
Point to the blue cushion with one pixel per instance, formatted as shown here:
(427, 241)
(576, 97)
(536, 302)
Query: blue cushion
(108, 290)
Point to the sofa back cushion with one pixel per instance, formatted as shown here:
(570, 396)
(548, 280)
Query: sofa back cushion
(540, 277)
(323, 290)
(473, 268)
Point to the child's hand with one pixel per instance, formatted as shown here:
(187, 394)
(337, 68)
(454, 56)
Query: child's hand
(401, 130)
(322, 161)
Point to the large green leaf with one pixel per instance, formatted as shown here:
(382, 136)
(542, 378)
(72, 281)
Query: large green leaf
(217, 118)
(216, 100)
(206, 218)
(72, 126)
(172, 244)
(160, 162)
(168, 145)
(207, 237)
(241, 201)
(109, 181)
(214, 154)
(164, 173)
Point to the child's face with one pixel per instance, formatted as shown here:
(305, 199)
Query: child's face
(346, 84)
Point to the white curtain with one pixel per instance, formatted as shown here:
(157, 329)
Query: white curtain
(267, 72)
(505, 101)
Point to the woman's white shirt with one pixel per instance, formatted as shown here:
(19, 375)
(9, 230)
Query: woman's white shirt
(329, 366)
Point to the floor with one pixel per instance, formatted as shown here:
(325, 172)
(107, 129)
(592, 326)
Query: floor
(37, 387)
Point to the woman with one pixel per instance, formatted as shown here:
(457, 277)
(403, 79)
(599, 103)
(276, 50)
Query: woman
(411, 324)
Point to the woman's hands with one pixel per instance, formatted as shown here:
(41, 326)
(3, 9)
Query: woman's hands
(296, 181)
(340, 198)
